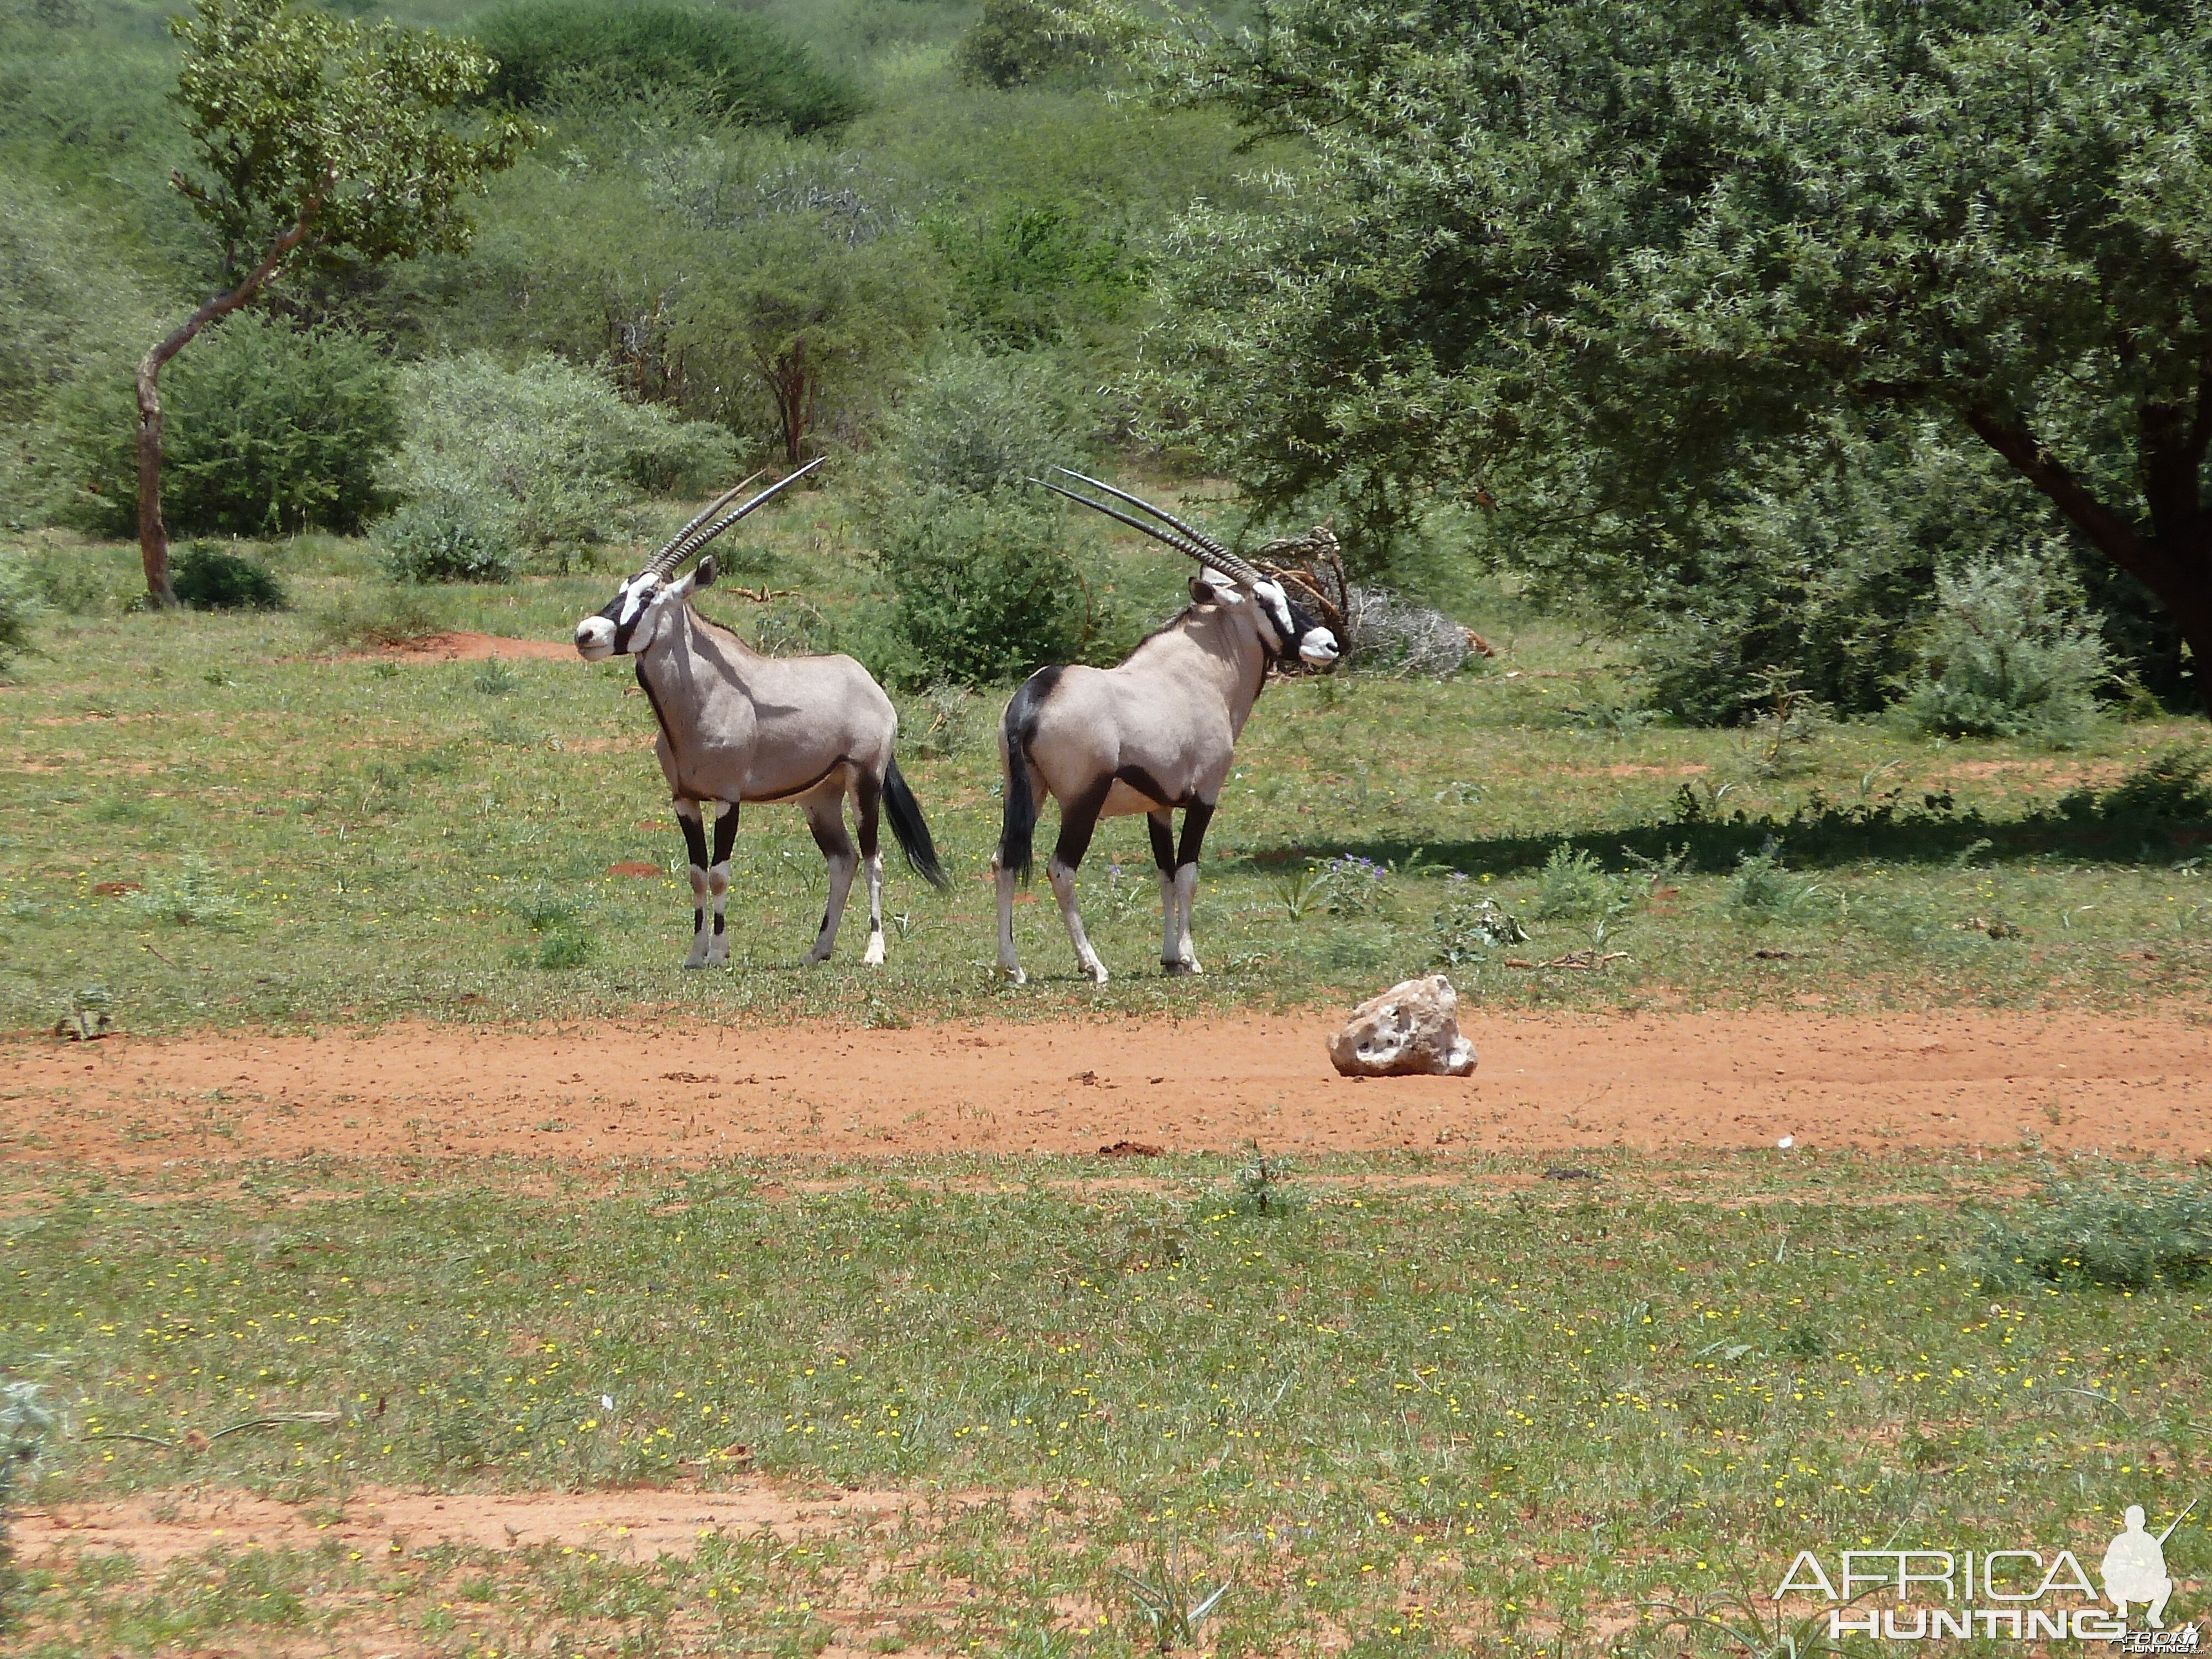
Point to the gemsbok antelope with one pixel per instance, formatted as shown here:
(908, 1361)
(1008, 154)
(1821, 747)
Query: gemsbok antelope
(737, 727)
(1157, 734)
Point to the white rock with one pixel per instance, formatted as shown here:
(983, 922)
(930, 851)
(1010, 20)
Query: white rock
(1411, 1029)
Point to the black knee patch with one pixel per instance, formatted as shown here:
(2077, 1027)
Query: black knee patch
(695, 840)
(1163, 844)
(718, 923)
(1193, 832)
(726, 834)
(699, 920)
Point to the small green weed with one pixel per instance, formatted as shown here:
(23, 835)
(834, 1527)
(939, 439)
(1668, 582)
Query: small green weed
(1572, 886)
(188, 899)
(496, 678)
(1762, 890)
(1169, 1598)
(1467, 929)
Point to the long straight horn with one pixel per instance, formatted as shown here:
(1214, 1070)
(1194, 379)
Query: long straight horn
(1215, 555)
(715, 528)
(1178, 542)
(674, 549)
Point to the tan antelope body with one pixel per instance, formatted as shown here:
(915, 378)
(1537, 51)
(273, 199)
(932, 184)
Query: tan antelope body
(1155, 734)
(738, 726)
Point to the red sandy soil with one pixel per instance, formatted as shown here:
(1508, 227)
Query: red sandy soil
(157, 1528)
(465, 646)
(683, 1093)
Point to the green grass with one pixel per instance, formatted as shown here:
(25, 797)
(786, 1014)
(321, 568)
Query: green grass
(326, 838)
(1404, 1413)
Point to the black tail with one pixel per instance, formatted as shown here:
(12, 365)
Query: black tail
(1017, 830)
(905, 813)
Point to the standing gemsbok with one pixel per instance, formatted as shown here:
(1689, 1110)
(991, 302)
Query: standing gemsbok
(739, 727)
(1156, 734)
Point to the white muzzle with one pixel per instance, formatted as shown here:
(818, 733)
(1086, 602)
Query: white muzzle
(595, 639)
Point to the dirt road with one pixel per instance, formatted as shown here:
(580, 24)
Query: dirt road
(2139, 1085)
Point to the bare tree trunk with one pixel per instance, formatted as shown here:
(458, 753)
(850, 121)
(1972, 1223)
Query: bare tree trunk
(2174, 562)
(152, 534)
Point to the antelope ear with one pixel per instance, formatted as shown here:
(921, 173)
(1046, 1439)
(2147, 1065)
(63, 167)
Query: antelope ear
(704, 575)
(1213, 589)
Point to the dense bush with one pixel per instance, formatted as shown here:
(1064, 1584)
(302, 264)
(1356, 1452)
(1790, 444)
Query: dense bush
(2008, 654)
(449, 533)
(987, 590)
(19, 603)
(2116, 1228)
(1013, 41)
(1039, 272)
(211, 578)
(543, 457)
(980, 425)
(267, 428)
(741, 65)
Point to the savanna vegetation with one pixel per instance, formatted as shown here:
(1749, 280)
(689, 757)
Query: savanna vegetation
(1806, 406)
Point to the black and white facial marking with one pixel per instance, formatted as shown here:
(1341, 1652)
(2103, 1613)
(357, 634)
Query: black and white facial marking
(628, 622)
(1292, 630)
(633, 618)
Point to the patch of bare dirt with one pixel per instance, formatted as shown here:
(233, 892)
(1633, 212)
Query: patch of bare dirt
(465, 646)
(156, 1528)
(685, 1093)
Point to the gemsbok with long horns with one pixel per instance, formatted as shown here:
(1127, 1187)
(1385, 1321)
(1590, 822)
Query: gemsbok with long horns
(738, 726)
(1156, 734)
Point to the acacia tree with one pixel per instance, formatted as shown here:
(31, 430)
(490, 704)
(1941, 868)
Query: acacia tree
(1590, 258)
(316, 133)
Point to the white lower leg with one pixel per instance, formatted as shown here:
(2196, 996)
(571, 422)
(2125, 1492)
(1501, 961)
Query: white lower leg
(718, 888)
(1186, 895)
(842, 868)
(701, 940)
(1003, 878)
(1063, 888)
(875, 956)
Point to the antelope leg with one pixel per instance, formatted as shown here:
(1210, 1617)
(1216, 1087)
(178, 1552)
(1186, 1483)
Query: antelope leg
(827, 819)
(694, 826)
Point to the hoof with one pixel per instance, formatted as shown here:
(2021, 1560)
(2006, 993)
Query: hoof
(1014, 976)
(697, 959)
(1095, 972)
(874, 958)
(814, 958)
(1182, 968)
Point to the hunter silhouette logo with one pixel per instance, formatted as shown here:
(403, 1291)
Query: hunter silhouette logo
(2134, 1567)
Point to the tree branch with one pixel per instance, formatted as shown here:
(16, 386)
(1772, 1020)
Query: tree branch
(152, 534)
(2112, 535)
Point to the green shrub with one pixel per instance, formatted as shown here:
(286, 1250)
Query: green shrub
(69, 582)
(450, 533)
(267, 429)
(2009, 655)
(1572, 886)
(543, 457)
(1763, 890)
(1470, 925)
(984, 425)
(188, 899)
(2118, 1228)
(211, 578)
(987, 590)
(1013, 41)
(739, 66)
(18, 604)
(1037, 272)
(2167, 789)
